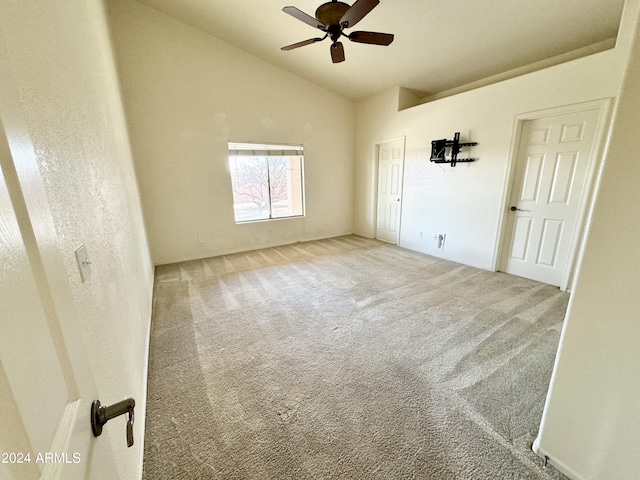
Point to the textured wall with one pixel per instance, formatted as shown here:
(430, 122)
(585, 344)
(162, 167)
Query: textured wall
(186, 95)
(60, 56)
(591, 420)
(466, 202)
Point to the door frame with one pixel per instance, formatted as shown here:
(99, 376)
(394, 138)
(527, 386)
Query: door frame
(585, 204)
(376, 174)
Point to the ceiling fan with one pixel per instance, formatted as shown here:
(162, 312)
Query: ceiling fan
(332, 18)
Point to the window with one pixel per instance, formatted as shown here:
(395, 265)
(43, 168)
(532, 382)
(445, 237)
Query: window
(267, 181)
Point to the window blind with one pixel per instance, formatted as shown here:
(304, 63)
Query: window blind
(263, 150)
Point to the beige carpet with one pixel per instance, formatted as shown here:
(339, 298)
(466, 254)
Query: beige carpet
(347, 358)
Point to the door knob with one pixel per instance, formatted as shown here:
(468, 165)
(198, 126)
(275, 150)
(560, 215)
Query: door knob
(101, 415)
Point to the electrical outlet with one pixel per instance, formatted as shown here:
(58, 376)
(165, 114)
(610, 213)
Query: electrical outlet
(441, 239)
(421, 234)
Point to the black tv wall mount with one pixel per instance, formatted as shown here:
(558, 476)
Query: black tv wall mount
(446, 151)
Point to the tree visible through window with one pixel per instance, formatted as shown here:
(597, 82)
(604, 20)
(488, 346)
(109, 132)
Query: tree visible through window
(267, 181)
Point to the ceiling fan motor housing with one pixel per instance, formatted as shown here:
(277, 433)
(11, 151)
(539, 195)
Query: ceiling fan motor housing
(330, 13)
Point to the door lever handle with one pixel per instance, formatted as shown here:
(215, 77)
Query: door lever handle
(101, 415)
(514, 208)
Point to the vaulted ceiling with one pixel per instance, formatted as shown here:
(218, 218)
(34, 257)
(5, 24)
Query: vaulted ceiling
(439, 45)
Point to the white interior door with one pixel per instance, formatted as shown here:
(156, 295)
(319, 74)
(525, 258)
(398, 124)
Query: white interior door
(390, 169)
(46, 387)
(551, 169)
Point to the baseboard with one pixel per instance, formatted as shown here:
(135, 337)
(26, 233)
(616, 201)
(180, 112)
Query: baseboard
(536, 446)
(260, 247)
(558, 465)
(142, 404)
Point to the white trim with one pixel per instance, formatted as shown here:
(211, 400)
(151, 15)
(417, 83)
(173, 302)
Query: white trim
(507, 187)
(595, 159)
(586, 201)
(61, 440)
(142, 403)
(274, 244)
(558, 465)
(376, 172)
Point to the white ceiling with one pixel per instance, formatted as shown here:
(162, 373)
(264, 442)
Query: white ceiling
(439, 44)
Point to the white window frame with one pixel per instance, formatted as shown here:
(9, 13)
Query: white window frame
(261, 150)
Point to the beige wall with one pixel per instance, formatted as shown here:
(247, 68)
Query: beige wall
(591, 423)
(466, 202)
(186, 95)
(61, 64)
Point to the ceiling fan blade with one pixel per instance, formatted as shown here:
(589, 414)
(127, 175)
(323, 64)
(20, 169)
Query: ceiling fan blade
(303, 43)
(337, 52)
(308, 19)
(373, 38)
(357, 11)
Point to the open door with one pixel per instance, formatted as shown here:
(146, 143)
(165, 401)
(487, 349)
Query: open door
(46, 383)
